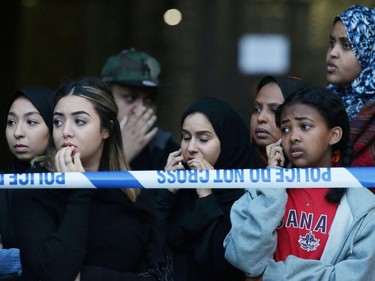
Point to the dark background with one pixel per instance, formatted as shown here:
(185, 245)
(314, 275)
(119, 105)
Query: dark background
(47, 41)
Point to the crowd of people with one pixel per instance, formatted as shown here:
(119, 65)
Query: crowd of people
(109, 123)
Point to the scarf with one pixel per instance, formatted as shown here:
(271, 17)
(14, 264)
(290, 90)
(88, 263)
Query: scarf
(359, 22)
(236, 150)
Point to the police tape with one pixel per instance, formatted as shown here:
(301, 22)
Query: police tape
(234, 178)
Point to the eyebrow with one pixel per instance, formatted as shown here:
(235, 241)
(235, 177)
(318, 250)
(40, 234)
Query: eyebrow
(341, 37)
(73, 113)
(269, 104)
(198, 133)
(296, 118)
(26, 114)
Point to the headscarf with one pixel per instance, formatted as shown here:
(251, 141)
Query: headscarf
(236, 150)
(42, 98)
(288, 85)
(359, 22)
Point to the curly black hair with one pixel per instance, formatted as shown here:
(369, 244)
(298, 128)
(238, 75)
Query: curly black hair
(332, 109)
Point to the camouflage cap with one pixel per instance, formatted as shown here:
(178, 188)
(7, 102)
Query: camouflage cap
(132, 67)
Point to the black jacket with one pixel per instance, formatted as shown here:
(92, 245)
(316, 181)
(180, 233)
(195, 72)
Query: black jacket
(99, 233)
(195, 231)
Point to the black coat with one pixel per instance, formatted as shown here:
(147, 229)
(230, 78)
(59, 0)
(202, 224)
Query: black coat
(99, 233)
(195, 231)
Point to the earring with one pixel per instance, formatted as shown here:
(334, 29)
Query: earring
(336, 157)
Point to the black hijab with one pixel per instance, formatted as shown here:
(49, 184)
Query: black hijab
(42, 98)
(236, 150)
(288, 85)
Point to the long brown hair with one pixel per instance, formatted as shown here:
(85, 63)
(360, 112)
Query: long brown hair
(100, 95)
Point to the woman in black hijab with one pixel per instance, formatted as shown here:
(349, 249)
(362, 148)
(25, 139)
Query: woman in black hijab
(28, 132)
(197, 221)
(42, 100)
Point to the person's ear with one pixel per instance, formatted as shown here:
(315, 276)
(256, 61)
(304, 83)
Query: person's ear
(106, 132)
(336, 134)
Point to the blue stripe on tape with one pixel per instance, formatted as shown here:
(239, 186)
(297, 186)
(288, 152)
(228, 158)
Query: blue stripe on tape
(365, 175)
(109, 180)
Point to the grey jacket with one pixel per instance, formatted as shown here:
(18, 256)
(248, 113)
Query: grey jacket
(349, 253)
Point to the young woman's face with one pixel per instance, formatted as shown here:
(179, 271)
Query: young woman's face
(306, 138)
(199, 139)
(262, 122)
(77, 124)
(26, 132)
(342, 65)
